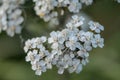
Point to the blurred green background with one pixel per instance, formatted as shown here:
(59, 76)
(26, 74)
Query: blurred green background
(104, 63)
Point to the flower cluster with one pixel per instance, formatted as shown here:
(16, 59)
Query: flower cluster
(10, 17)
(38, 55)
(48, 9)
(68, 49)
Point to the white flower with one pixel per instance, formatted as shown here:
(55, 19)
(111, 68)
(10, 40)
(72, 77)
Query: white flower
(95, 26)
(83, 53)
(97, 41)
(79, 68)
(85, 36)
(43, 39)
(72, 43)
(30, 56)
(87, 2)
(53, 38)
(87, 46)
(75, 6)
(78, 21)
(57, 38)
(61, 70)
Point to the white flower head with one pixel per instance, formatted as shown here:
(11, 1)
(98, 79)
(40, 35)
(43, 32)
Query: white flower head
(67, 49)
(46, 9)
(11, 17)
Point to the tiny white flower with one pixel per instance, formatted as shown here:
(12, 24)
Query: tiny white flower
(43, 39)
(75, 6)
(38, 72)
(77, 21)
(85, 36)
(87, 2)
(97, 41)
(72, 42)
(61, 70)
(83, 53)
(95, 26)
(79, 68)
(55, 45)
